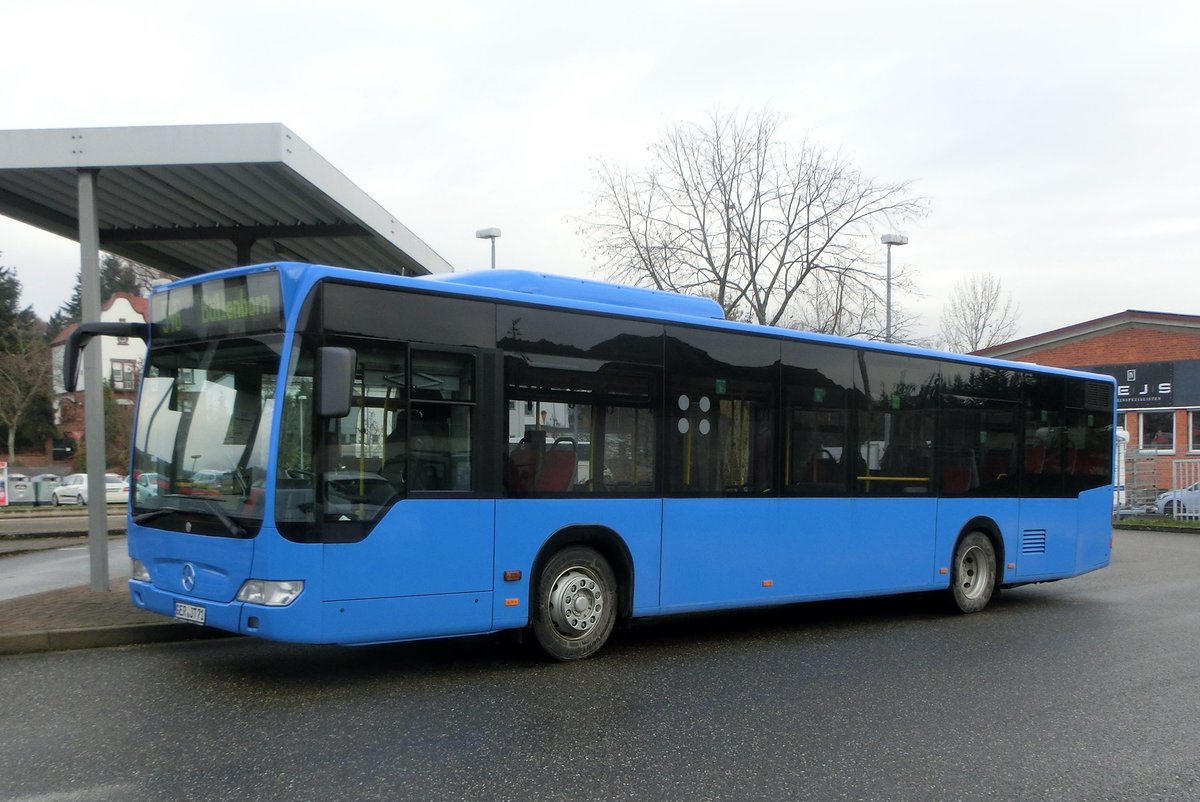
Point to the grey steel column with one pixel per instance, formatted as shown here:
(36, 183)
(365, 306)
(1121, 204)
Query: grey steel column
(93, 386)
(888, 331)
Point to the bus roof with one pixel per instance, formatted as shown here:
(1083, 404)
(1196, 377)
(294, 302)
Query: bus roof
(584, 295)
(567, 288)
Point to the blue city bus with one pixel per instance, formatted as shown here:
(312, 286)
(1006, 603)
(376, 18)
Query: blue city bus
(345, 457)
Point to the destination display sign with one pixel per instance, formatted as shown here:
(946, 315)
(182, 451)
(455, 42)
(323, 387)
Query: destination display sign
(221, 307)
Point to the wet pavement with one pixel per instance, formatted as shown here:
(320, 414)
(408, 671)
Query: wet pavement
(78, 617)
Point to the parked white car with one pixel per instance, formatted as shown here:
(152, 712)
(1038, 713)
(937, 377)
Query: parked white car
(73, 490)
(146, 485)
(1185, 501)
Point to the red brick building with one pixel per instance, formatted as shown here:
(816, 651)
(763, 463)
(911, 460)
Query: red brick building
(1155, 358)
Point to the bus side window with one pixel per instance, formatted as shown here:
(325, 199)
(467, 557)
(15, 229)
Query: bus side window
(818, 457)
(395, 450)
(896, 424)
(442, 402)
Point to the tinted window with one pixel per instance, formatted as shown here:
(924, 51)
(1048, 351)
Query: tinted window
(817, 386)
(441, 396)
(895, 424)
(571, 334)
(399, 315)
(721, 398)
(978, 442)
(1089, 435)
(1044, 432)
(580, 426)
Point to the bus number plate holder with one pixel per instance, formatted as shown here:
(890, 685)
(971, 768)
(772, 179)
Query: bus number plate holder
(189, 613)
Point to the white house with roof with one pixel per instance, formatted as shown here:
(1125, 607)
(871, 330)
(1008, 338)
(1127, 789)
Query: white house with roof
(121, 358)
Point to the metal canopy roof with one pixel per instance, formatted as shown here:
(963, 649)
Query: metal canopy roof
(190, 199)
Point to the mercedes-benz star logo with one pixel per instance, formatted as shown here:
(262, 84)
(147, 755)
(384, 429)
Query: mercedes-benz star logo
(189, 577)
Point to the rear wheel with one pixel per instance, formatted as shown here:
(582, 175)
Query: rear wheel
(1170, 508)
(973, 573)
(576, 604)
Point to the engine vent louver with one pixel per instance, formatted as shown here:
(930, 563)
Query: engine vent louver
(1033, 541)
(1098, 396)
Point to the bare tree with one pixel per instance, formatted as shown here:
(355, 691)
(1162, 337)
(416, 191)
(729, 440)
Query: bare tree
(117, 274)
(979, 314)
(24, 376)
(777, 234)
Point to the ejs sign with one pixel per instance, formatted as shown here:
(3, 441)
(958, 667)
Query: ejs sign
(1144, 385)
(1163, 388)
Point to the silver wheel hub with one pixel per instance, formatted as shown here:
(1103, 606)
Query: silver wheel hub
(973, 573)
(576, 602)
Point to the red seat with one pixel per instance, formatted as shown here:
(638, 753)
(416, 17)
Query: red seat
(558, 471)
(522, 464)
(1035, 456)
(956, 479)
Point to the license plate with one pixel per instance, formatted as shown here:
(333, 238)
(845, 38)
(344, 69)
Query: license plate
(190, 613)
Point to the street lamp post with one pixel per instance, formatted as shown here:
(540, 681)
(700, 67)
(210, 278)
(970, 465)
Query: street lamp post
(889, 240)
(492, 234)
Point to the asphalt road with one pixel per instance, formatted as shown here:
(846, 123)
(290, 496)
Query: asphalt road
(65, 567)
(1087, 689)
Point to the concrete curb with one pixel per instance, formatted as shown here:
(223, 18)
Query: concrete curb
(16, 537)
(96, 637)
(1167, 528)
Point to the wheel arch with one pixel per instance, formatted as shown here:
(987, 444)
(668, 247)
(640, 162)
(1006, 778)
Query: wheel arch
(986, 525)
(604, 540)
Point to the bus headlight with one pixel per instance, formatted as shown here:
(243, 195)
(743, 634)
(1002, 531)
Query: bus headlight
(271, 593)
(139, 571)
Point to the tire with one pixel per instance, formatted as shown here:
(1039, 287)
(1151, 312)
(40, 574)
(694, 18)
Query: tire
(1169, 509)
(576, 604)
(973, 573)
(54, 500)
(79, 500)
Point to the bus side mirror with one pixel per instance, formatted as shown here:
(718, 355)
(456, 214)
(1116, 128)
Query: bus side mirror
(85, 332)
(335, 381)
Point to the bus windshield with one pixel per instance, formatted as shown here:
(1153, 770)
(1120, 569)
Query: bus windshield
(201, 448)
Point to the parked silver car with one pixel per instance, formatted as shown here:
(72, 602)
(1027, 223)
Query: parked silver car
(1185, 501)
(73, 490)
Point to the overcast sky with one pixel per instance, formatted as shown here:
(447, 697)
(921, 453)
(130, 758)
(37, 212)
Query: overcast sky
(1056, 141)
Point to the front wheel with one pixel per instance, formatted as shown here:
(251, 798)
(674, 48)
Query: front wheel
(576, 604)
(80, 500)
(973, 573)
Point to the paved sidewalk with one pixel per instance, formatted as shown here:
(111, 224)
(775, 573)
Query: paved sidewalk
(80, 618)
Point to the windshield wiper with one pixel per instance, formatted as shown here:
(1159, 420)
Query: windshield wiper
(145, 517)
(233, 526)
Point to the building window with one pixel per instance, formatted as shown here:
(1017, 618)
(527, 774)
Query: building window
(124, 375)
(1157, 431)
(122, 340)
(1194, 431)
